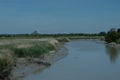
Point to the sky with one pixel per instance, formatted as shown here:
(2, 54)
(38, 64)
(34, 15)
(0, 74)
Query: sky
(58, 16)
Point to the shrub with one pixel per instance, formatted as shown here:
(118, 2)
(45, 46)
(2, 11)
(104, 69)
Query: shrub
(111, 36)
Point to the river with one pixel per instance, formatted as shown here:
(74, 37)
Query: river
(86, 60)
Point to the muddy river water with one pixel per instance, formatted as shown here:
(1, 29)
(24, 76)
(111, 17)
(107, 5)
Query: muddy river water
(86, 60)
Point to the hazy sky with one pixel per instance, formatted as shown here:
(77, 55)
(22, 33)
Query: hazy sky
(58, 16)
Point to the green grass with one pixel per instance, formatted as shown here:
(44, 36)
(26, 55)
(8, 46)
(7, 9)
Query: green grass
(21, 48)
(3, 64)
(11, 50)
(6, 61)
(29, 48)
(16, 48)
(33, 51)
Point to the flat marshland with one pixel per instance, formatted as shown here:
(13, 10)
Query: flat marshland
(12, 49)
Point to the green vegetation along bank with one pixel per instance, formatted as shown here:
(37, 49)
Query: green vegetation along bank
(13, 49)
(113, 35)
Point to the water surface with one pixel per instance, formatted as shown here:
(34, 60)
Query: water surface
(86, 60)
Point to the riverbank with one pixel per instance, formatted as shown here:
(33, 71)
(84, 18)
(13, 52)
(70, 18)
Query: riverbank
(113, 44)
(84, 57)
(18, 53)
(31, 55)
(29, 68)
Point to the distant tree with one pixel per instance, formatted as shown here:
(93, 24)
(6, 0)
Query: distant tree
(118, 30)
(111, 36)
(118, 33)
(102, 34)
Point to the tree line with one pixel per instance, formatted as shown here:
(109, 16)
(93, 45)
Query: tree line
(113, 35)
(50, 35)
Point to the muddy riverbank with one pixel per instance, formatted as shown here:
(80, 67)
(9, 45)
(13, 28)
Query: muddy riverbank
(25, 67)
(17, 56)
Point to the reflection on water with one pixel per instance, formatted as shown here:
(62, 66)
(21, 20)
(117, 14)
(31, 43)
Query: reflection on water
(113, 53)
(86, 60)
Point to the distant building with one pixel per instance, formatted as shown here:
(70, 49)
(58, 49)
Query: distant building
(34, 33)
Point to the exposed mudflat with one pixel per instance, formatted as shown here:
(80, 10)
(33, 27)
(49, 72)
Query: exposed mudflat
(25, 67)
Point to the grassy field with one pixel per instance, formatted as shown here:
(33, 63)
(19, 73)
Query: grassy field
(25, 47)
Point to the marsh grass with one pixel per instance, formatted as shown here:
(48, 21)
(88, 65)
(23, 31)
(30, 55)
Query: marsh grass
(6, 61)
(21, 48)
(10, 50)
(36, 50)
(24, 48)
